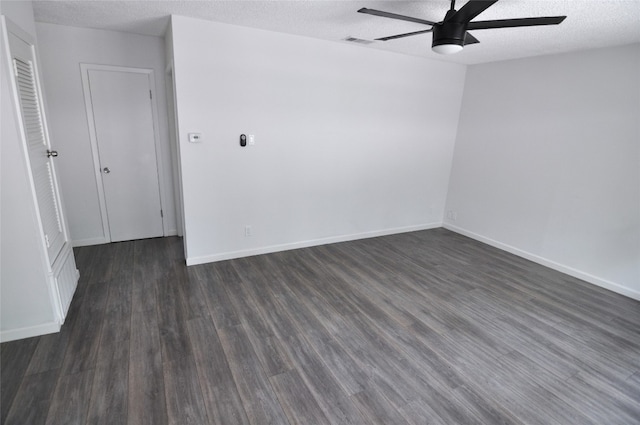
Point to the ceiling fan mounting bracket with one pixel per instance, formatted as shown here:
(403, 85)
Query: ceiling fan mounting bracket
(449, 33)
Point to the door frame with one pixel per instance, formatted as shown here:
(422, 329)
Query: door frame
(10, 27)
(60, 288)
(174, 138)
(86, 87)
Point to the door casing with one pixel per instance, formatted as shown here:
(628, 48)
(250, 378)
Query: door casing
(58, 263)
(85, 68)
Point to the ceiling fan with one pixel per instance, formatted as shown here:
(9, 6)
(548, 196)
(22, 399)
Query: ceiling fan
(450, 35)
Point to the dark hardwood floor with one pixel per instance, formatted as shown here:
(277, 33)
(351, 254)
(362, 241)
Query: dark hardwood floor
(420, 328)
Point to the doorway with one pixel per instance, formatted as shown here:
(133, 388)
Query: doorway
(123, 126)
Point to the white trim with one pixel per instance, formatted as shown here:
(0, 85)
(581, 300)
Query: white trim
(305, 244)
(100, 241)
(603, 283)
(174, 145)
(8, 27)
(84, 71)
(30, 331)
(90, 241)
(159, 154)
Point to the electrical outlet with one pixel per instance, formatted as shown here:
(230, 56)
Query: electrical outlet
(452, 215)
(248, 231)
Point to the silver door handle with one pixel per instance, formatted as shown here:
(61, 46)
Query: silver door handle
(52, 154)
(106, 170)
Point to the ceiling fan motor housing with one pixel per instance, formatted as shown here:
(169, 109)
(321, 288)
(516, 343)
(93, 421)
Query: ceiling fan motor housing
(449, 33)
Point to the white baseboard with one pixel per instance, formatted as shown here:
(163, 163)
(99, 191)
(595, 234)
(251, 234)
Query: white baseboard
(28, 332)
(607, 284)
(191, 261)
(101, 241)
(91, 241)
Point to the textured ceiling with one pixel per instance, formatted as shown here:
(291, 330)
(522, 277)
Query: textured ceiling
(589, 23)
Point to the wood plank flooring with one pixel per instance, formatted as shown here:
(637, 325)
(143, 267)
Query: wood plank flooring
(419, 328)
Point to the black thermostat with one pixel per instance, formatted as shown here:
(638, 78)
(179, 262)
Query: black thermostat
(243, 140)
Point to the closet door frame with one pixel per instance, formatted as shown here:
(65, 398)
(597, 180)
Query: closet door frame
(62, 275)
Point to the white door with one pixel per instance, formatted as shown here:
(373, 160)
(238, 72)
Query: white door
(39, 150)
(123, 122)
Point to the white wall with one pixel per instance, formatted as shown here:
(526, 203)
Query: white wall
(62, 49)
(350, 142)
(20, 14)
(547, 162)
(24, 298)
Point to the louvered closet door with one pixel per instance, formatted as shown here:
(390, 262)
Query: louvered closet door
(38, 145)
